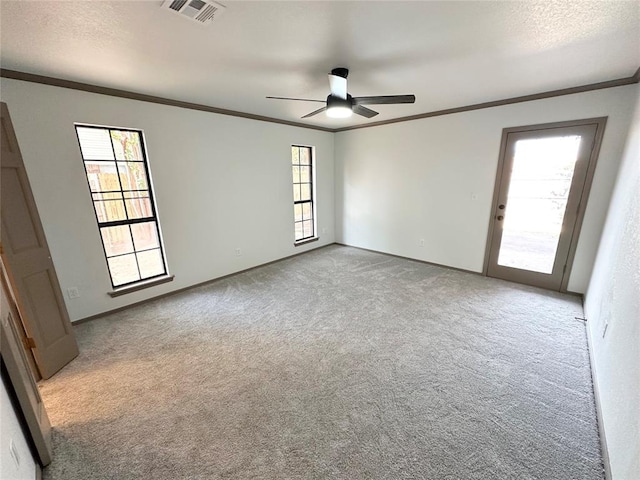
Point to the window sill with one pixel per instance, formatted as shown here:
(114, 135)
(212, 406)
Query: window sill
(141, 286)
(305, 241)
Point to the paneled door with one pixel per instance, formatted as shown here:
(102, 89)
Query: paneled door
(542, 186)
(28, 263)
(20, 377)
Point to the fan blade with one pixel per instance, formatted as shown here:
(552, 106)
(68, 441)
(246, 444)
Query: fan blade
(384, 99)
(364, 111)
(338, 86)
(315, 112)
(299, 99)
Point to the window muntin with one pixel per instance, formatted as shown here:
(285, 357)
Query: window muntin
(303, 205)
(118, 175)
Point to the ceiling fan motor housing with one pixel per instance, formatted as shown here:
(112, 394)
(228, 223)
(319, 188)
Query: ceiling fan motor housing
(336, 102)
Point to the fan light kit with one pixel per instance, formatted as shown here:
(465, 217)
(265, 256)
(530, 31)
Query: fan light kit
(339, 107)
(340, 104)
(339, 112)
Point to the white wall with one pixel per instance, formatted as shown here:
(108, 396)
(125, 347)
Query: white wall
(220, 182)
(613, 297)
(433, 179)
(10, 431)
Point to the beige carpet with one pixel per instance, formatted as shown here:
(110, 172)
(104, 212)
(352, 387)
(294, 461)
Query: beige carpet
(336, 364)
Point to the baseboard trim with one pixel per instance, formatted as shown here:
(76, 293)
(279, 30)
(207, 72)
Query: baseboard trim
(596, 395)
(457, 269)
(196, 285)
(412, 259)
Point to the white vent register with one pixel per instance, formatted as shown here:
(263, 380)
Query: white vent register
(201, 11)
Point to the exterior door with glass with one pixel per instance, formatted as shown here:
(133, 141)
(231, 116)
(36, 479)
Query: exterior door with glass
(543, 180)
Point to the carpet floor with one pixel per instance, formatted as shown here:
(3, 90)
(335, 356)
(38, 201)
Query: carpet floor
(336, 364)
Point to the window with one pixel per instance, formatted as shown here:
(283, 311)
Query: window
(119, 181)
(303, 207)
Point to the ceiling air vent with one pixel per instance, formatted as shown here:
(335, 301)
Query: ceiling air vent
(201, 11)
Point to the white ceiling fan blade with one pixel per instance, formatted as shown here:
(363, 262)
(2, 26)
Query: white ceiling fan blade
(338, 86)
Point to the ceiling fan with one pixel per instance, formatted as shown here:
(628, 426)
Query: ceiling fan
(340, 104)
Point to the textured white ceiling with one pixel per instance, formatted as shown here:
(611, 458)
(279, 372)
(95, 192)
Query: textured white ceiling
(448, 54)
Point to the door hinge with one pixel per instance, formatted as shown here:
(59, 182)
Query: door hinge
(1, 249)
(564, 269)
(29, 343)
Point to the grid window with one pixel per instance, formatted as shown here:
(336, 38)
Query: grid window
(118, 176)
(303, 206)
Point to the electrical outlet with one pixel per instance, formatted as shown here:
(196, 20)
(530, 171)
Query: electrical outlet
(13, 450)
(421, 242)
(73, 292)
(238, 252)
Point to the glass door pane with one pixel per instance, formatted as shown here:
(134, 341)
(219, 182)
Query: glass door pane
(541, 178)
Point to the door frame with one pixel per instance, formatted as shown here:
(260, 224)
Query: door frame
(600, 123)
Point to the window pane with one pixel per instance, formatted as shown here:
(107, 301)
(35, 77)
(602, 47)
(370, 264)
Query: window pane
(137, 194)
(133, 176)
(306, 210)
(95, 143)
(299, 234)
(116, 240)
(110, 210)
(102, 176)
(305, 157)
(295, 157)
(296, 174)
(307, 226)
(297, 212)
(124, 269)
(139, 208)
(305, 192)
(145, 235)
(107, 196)
(126, 145)
(150, 263)
(296, 193)
(305, 176)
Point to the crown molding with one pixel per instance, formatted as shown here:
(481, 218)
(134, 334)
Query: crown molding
(635, 78)
(114, 92)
